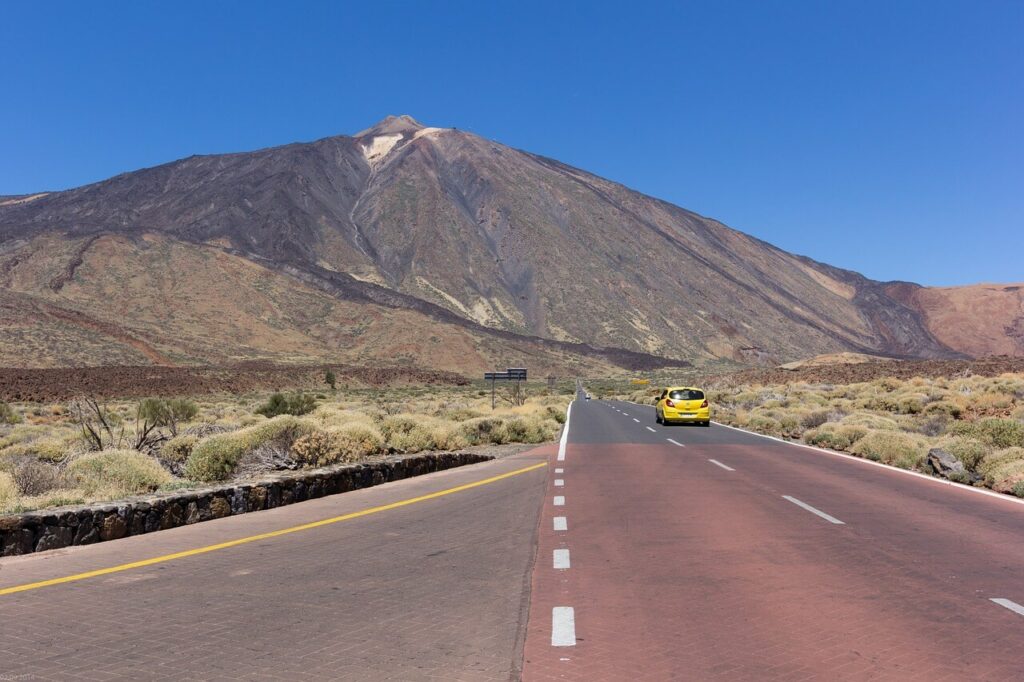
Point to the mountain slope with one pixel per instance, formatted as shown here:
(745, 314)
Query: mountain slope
(464, 232)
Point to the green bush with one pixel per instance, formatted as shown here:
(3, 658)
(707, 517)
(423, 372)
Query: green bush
(8, 415)
(296, 404)
(215, 458)
(999, 433)
(1003, 469)
(890, 447)
(116, 473)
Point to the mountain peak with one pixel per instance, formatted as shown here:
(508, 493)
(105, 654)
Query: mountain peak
(391, 125)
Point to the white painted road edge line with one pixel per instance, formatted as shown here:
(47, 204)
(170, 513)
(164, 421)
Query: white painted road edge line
(717, 463)
(804, 505)
(559, 501)
(650, 429)
(561, 523)
(675, 442)
(887, 467)
(560, 559)
(1012, 605)
(559, 483)
(563, 626)
(565, 434)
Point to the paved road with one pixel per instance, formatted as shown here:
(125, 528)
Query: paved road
(674, 553)
(709, 553)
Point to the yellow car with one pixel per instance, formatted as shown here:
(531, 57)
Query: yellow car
(683, 404)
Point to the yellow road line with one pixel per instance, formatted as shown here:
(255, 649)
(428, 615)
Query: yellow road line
(262, 536)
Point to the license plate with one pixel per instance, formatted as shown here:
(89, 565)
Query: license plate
(687, 414)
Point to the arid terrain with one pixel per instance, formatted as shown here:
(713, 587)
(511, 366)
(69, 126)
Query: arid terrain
(436, 247)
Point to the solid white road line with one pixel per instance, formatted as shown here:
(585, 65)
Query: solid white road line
(563, 626)
(650, 429)
(560, 557)
(559, 482)
(717, 463)
(559, 501)
(675, 442)
(559, 471)
(804, 505)
(561, 523)
(889, 467)
(1012, 605)
(565, 434)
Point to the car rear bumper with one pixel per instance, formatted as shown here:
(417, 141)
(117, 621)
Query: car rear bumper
(699, 416)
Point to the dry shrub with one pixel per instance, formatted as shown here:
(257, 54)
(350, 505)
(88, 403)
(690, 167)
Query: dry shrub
(1003, 469)
(8, 415)
(826, 438)
(813, 420)
(178, 449)
(999, 433)
(8, 490)
(765, 425)
(215, 458)
(117, 473)
(969, 451)
(348, 443)
(33, 477)
(899, 449)
(870, 421)
(483, 430)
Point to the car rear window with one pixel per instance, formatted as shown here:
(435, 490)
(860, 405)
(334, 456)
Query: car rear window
(686, 394)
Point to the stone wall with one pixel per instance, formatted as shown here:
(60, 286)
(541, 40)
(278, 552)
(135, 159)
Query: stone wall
(82, 525)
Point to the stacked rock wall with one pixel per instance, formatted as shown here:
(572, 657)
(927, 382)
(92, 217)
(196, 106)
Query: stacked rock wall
(82, 525)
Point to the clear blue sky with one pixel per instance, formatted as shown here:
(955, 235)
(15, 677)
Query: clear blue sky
(886, 137)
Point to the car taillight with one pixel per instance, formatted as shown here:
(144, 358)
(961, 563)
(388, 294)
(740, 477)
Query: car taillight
(704, 404)
(669, 403)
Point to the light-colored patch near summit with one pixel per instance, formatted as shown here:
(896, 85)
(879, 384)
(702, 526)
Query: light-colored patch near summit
(428, 131)
(379, 147)
(23, 200)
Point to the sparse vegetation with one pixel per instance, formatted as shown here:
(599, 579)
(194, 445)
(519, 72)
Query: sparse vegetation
(979, 420)
(8, 415)
(86, 450)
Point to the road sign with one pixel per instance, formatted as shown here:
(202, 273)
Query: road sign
(515, 374)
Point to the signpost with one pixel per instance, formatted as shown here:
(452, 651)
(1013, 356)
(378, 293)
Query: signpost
(515, 374)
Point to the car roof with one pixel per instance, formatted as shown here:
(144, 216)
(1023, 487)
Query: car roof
(683, 388)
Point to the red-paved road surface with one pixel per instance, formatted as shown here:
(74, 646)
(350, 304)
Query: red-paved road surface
(682, 569)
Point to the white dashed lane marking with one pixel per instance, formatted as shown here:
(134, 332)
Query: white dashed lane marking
(559, 483)
(636, 420)
(817, 512)
(561, 523)
(563, 626)
(560, 559)
(717, 463)
(675, 442)
(650, 429)
(559, 471)
(559, 501)
(1012, 605)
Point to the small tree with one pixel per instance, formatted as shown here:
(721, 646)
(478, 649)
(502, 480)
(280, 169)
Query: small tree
(330, 380)
(168, 413)
(296, 404)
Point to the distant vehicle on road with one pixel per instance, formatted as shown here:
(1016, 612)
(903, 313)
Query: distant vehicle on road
(683, 405)
(587, 396)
